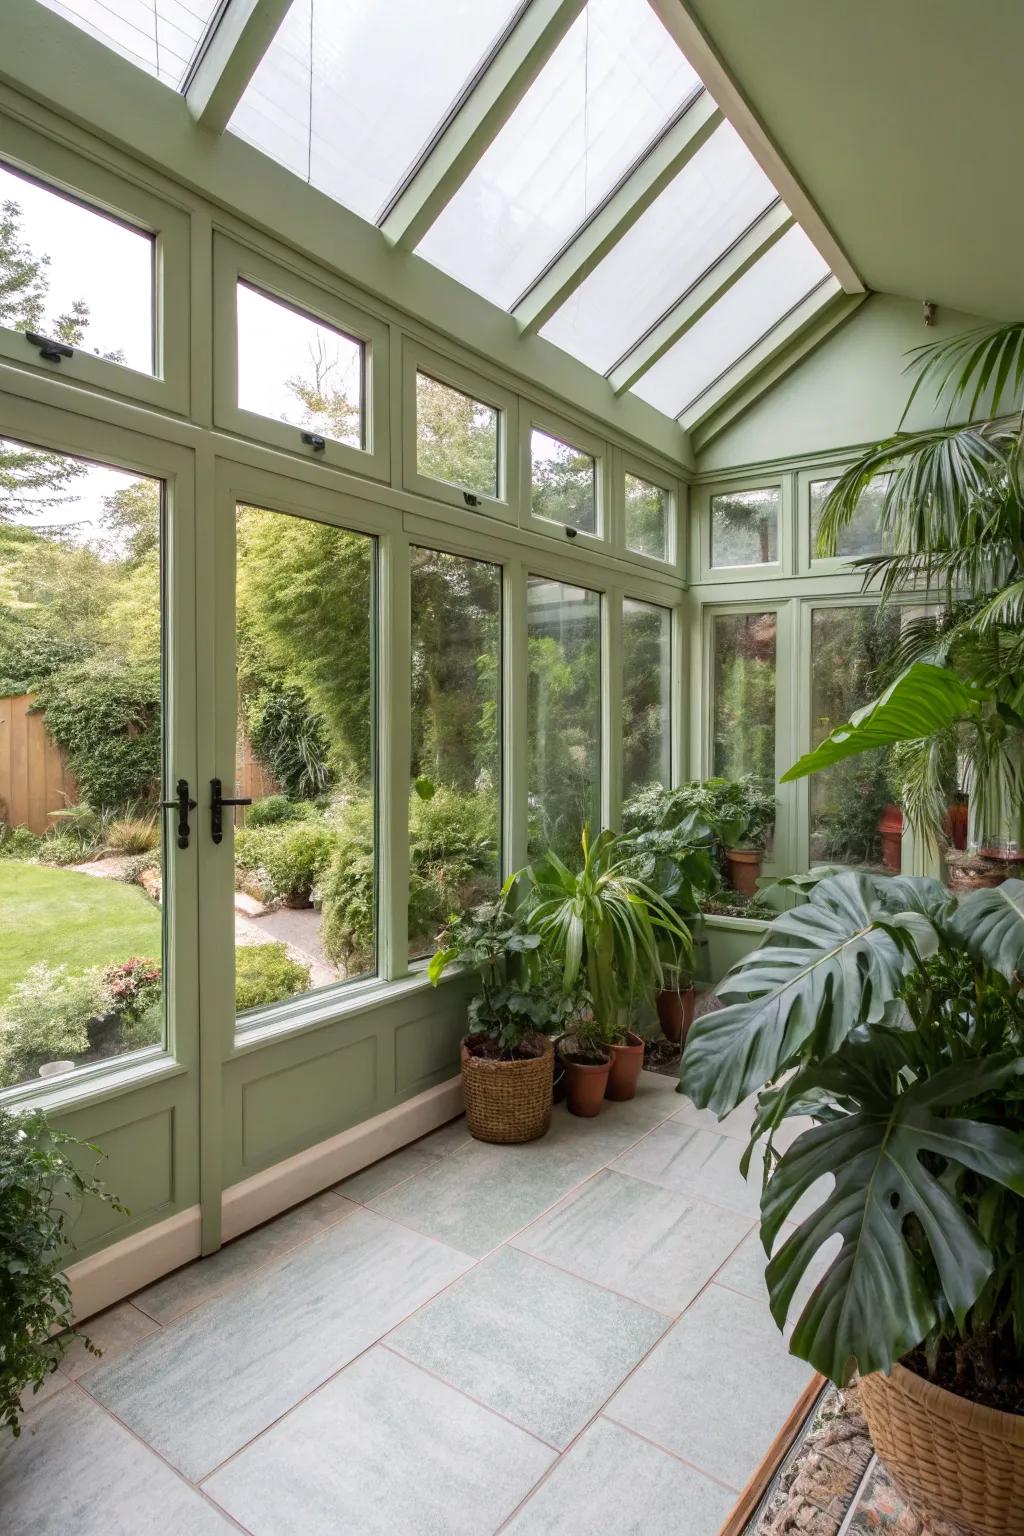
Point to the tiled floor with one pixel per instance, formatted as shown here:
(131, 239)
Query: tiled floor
(562, 1339)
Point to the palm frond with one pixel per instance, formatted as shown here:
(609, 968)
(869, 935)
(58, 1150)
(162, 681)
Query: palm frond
(983, 364)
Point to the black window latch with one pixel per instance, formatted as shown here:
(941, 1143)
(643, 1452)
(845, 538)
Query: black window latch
(217, 803)
(53, 351)
(182, 804)
(470, 499)
(315, 441)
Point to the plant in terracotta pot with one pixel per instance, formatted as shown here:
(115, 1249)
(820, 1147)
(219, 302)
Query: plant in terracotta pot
(601, 924)
(507, 1053)
(893, 1015)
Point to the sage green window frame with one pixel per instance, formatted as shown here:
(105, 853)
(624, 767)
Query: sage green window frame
(625, 462)
(701, 499)
(574, 436)
(62, 171)
(417, 358)
(234, 263)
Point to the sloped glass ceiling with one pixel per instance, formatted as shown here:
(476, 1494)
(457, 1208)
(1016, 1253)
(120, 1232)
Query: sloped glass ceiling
(352, 94)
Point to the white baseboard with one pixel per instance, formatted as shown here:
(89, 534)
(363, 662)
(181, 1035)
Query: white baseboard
(126, 1266)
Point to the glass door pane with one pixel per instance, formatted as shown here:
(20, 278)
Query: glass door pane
(646, 696)
(83, 943)
(743, 648)
(305, 850)
(563, 716)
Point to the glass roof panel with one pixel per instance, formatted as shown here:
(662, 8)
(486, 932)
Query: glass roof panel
(684, 231)
(753, 305)
(160, 36)
(609, 89)
(349, 95)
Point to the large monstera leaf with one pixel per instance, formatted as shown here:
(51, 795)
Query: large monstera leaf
(875, 1301)
(990, 923)
(825, 967)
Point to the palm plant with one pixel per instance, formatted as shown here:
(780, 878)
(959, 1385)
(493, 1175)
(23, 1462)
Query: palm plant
(604, 923)
(893, 1016)
(953, 532)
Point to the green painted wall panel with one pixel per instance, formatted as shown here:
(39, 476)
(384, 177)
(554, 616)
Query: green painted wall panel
(306, 1103)
(427, 1049)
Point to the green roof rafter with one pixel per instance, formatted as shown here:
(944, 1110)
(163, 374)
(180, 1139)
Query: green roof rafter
(226, 60)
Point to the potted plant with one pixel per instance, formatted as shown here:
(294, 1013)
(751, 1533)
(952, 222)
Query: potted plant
(507, 1053)
(37, 1172)
(894, 1016)
(601, 925)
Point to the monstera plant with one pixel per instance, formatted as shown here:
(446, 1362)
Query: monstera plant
(893, 1017)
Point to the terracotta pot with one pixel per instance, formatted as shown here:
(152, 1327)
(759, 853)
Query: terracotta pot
(627, 1064)
(507, 1101)
(956, 824)
(744, 869)
(585, 1085)
(675, 1013)
(890, 827)
(954, 1460)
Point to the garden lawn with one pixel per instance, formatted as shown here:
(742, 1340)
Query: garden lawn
(69, 919)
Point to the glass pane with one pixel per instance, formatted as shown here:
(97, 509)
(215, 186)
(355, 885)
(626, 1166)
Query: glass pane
(348, 96)
(744, 696)
(849, 651)
(646, 696)
(298, 370)
(607, 91)
(74, 275)
(563, 483)
(563, 716)
(745, 528)
(716, 196)
(762, 297)
(647, 509)
(456, 437)
(81, 939)
(455, 801)
(863, 534)
(160, 36)
(305, 852)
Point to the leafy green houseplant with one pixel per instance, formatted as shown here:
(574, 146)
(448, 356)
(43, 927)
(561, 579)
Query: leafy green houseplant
(893, 1016)
(37, 1176)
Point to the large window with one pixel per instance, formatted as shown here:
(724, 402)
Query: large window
(646, 695)
(850, 649)
(564, 715)
(81, 936)
(298, 370)
(745, 528)
(743, 658)
(455, 799)
(305, 853)
(457, 437)
(563, 482)
(75, 275)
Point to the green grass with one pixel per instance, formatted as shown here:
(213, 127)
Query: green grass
(69, 919)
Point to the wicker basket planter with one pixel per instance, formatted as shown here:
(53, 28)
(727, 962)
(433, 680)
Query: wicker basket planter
(508, 1101)
(953, 1459)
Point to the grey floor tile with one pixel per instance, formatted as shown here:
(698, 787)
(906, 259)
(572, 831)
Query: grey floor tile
(55, 1382)
(112, 1332)
(612, 1484)
(384, 1175)
(186, 1288)
(695, 1162)
(541, 1347)
(745, 1270)
(717, 1389)
(737, 1124)
(382, 1449)
(447, 1138)
(649, 1243)
(76, 1472)
(201, 1388)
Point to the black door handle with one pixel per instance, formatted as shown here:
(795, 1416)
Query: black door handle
(182, 804)
(217, 803)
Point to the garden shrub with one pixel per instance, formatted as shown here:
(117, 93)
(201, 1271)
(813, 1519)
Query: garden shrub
(18, 842)
(273, 809)
(133, 833)
(348, 906)
(288, 857)
(290, 739)
(106, 716)
(46, 1018)
(61, 849)
(265, 974)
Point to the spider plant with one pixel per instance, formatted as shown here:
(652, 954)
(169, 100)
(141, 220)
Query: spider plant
(603, 924)
(953, 532)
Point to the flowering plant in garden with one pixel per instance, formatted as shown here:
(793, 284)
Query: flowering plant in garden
(133, 986)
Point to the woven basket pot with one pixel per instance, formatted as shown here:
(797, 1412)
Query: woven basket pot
(508, 1101)
(953, 1459)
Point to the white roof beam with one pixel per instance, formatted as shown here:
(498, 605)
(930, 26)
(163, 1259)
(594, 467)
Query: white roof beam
(706, 291)
(619, 212)
(229, 57)
(502, 83)
(679, 21)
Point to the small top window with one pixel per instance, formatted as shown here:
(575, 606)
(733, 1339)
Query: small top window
(647, 514)
(745, 528)
(456, 437)
(563, 483)
(75, 275)
(298, 370)
(863, 533)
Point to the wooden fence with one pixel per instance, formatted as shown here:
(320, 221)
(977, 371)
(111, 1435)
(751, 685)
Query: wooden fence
(34, 777)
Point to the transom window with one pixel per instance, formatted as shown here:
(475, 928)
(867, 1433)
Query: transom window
(863, 533)
(647, 518)
(298, 370)
(745, 528)
(457, 437)
(563, 482)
